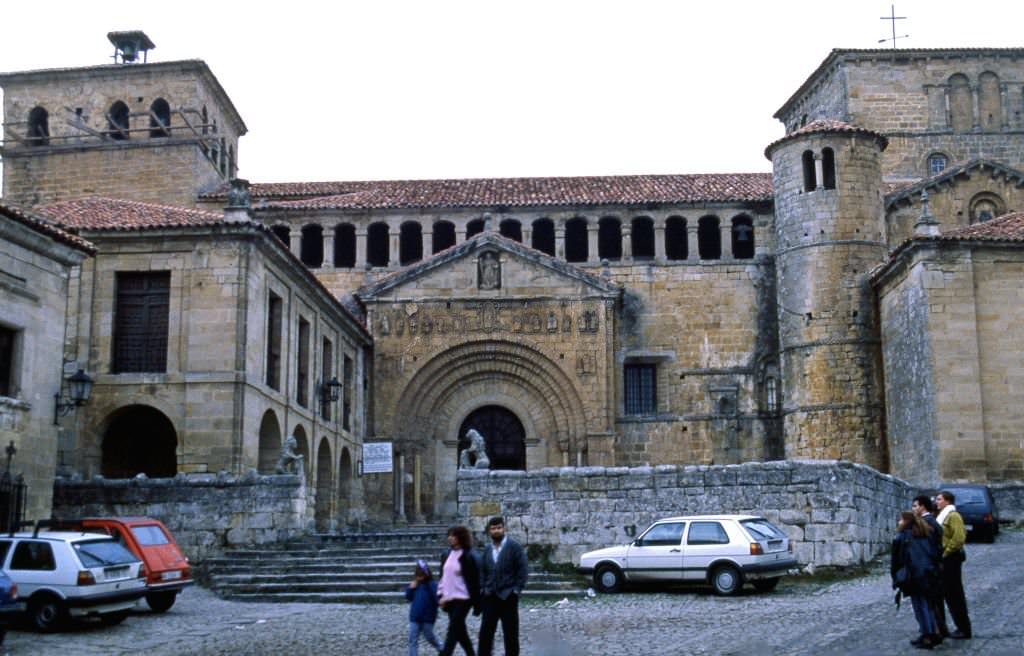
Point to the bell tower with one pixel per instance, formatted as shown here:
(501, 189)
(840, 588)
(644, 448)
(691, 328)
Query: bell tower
(154, 132)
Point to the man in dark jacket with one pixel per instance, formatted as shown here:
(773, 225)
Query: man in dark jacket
(502, 579)
(922, 507)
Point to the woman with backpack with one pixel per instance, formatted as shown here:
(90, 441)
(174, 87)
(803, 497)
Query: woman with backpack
(915, 572)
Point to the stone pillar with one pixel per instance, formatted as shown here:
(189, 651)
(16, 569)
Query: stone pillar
(428, 245)
(328, 233)
(659, 241)
(818, 171)
(400, 489)
(528, 237)
(394, 246)
(592, 234)
(460, 233)
(975, 108)
(560, 241)
(725, 229)
(417, 487)
(360, 249)
(692, 244)
(1004, 105)
(295, 243)
(627, 244)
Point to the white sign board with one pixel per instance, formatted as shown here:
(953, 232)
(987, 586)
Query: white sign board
(377, 457)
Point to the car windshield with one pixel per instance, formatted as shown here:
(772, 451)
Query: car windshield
(103, 552)
(149, 535)
(761, 529)
(970, 496)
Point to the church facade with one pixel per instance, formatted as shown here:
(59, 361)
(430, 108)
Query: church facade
(857, 303)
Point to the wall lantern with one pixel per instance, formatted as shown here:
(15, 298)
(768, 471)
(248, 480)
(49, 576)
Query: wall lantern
(79, 387)
(329, 391)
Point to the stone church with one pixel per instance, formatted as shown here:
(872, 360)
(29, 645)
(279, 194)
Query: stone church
(861, 302)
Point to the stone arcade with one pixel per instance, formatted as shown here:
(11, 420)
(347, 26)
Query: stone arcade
(824, 311)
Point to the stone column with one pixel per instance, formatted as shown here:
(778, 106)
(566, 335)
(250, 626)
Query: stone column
(560, 241)
(692, 244)
(428, 245)
(360, 248)
(394, 245)
(295, 243)
(460, 233)
(725, 229)
(400, 489)
(975, 108)
(592, 234)
(818, 171)
(627, 244)
(528, 236)
(417, 486)
(659, 241)
(328, 233)
(1004, 105)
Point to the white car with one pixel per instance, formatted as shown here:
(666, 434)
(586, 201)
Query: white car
(61, 575)
(725, 551)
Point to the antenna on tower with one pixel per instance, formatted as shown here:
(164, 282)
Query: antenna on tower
(893, 18)
(128, 45)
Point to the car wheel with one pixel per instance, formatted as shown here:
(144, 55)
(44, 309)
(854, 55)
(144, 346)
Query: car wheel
(111, 619)
(726, 580)
(766, 585)
(161, 602)
(608, 578)
(47, 614)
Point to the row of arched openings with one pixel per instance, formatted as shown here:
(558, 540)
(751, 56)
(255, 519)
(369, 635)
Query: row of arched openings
(542, 238)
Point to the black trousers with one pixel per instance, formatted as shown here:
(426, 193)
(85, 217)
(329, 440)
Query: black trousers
(507, 610)
(457, 634)
(953, 592)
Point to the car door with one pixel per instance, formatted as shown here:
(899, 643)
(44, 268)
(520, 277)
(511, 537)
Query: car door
(657, 555)
(706, 541)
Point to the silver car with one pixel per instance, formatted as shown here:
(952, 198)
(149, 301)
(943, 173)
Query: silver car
(725, 551)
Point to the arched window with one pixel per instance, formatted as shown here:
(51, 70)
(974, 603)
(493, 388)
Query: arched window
(159, 118)
(512, 229)
(474, 227)
(643, 238)
(937, 163)
(989, 102)
(676, 247)
(118, 121)
(410, 243)
(377, 247)
(609, 238)
(709, 238)
(985, 207)
(38, 127)
(311, 248)
(345, 246)
(828, 168)
(444, 236)
(960, 103)
(742, 238)
(544, 236)
(576, 249)
(283, 233)
(810, 182)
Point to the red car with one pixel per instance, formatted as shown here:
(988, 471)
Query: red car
(168, 569)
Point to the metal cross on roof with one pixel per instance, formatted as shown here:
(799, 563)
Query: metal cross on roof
(893, 18)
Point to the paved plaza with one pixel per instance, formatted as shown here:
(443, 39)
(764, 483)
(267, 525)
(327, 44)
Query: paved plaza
(837, 616)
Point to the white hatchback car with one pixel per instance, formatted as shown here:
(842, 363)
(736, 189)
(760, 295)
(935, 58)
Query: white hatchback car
(723, 550)
(71, 574)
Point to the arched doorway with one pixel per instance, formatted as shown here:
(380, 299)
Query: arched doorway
(322, 513)
(344, 485)
(139, 440)
(503, 433)
(270, 444)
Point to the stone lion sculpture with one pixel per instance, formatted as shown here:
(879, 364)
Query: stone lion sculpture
(474, 456)
(290, 462)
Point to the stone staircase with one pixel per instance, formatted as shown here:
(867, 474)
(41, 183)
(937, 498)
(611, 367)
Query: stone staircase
(349, 568)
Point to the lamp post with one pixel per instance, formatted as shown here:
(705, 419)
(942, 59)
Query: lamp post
(79, 387)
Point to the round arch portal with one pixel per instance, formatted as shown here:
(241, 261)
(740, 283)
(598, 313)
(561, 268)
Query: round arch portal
(503, 434)
(139, 440)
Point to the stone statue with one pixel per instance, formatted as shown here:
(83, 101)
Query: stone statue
(238, 194)
(490, 271)
(290, 462)
(477, 449)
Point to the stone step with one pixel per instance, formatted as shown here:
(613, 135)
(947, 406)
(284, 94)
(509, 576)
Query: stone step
(266, 554)
(345, 586)
(399, 578)
(375, 597)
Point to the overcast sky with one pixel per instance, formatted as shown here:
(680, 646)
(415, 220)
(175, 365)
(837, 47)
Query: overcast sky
(380, 89)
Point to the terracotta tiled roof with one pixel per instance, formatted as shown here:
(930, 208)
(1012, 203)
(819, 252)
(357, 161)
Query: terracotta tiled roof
(95, 213)
(49, 229)
(1008, 227)
(511, 192)
(826, 126)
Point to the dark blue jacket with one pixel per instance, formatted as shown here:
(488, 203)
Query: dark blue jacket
(424, 602)
(508, 575)
(919, 557)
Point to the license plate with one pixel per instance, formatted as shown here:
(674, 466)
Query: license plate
(112, 573)
(969, 527)
(170, 576)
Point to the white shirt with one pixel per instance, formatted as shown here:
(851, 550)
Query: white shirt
(496, 549)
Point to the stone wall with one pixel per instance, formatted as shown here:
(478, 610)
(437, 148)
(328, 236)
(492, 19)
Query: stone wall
(1009, 498)
(206, 512)
(838, 513)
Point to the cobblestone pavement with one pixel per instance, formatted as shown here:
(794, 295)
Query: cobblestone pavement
(839, 616)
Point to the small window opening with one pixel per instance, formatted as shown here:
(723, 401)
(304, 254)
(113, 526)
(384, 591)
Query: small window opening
(38, 127)
(709, 238)
(512, 229)
(118, 121)
(474, 227)
(609, 239)
(544, 236)
(284, 234)
(810, 182)
(377, 247)
(345, 246)
(642, 238)
(410, 243)
(742, 238)
(576, 247)
(640, 389)
(676, 247)
(937, 164)
(828, 168)
(444, 236)
(159, 119)
(311, 247)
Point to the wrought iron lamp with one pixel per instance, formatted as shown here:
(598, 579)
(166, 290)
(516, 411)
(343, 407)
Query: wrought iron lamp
(79, 390)
(329, 391)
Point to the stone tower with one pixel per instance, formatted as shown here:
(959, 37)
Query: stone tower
(155, 132)
(829, 230)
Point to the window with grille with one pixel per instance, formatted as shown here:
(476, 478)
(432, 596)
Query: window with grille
(326, 372)
(346, 395)
(275, 313)
(140, 322)
(8, 339)
(302, 377)
(641, 389)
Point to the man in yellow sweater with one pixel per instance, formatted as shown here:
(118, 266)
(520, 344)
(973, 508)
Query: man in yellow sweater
(953, 538)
